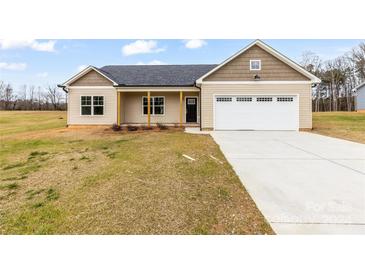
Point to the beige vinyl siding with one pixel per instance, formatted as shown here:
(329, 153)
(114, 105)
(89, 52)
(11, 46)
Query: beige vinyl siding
(303, 90)
(131, 107)
(272, 69)
(110, 106)
(92, 78)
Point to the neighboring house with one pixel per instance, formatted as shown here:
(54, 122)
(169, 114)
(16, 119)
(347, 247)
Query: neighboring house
(256, 89)
(360, 98)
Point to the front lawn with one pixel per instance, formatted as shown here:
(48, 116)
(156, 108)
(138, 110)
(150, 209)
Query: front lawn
(55, 180)
(345, 125)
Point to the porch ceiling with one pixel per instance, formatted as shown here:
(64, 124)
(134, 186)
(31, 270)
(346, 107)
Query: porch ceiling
(158, 89)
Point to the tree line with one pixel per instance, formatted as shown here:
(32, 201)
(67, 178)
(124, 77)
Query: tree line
(32, 98)
(339, 78)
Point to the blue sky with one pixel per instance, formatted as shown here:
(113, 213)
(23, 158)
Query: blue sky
(43, 62)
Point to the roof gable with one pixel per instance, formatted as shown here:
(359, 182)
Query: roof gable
(284, 65)
(90, 76)
(272, 69)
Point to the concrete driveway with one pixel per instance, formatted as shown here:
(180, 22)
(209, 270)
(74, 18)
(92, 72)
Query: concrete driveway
(303, 183)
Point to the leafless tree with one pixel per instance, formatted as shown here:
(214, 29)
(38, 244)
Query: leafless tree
(8, 97)
(39, 95)
(31, 97)
(54, 96)
(358, 57)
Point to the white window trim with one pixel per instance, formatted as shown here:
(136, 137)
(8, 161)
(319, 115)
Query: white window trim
(255, 60)
(164, 106)
(92, 106)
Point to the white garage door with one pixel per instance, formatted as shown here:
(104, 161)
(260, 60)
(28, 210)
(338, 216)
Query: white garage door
(256, 112)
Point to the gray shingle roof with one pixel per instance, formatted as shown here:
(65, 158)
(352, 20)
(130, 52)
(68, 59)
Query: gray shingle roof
(156, 75)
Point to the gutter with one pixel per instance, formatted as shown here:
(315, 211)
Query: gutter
(63, 87)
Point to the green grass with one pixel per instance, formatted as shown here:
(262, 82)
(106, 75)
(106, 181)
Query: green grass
(345, 125)
(95, 181)
(9, 186)
(28, 121)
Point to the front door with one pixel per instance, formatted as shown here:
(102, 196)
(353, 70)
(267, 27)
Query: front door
(191, 109)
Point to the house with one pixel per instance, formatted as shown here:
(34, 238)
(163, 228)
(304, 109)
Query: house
(360, 98)
(257, 88)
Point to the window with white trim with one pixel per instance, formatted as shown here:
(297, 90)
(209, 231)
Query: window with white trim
(157, 105)
(98, 105)
(255, 64)
(92, 105)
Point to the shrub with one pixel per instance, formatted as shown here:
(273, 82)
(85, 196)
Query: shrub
(162, 126)
(116, 127)
(132, 128)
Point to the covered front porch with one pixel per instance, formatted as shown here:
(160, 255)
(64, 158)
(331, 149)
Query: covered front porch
(169, 106)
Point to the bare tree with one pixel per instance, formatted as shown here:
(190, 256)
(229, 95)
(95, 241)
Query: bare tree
(358, 57)
(312, 63)
(31, 97)
(39, 95)
(8, 97)
(54, 96)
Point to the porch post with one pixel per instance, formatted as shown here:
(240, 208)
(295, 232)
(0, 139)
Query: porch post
(181, 108)
(149, 108)
(118, 108)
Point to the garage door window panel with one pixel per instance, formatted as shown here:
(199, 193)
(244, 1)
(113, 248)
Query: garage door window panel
(244, 99)
(224, 99)
(285, 99)
(264, 99)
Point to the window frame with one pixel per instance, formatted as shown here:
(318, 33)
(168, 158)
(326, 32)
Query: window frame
(153, 104)
(92, 106)
(255, 60)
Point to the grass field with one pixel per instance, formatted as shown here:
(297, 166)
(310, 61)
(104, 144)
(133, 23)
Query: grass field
(345, 125)
(55, 180)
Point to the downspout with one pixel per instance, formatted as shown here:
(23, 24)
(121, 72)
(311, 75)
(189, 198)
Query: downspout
(64, 88)
(200, 105)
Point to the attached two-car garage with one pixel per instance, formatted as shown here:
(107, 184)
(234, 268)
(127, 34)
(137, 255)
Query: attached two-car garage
(256, 112)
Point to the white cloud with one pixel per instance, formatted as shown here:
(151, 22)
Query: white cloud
(13, 66)
(195, 43)
(81, 67)
(42, 74)
(140, 47)
(153, 62)
(48, 46)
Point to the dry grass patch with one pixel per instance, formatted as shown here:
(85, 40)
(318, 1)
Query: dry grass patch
(96, 181)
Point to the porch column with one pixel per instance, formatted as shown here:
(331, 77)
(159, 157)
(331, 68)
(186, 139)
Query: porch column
(118, 109)
(181, 108)
(149, 108)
